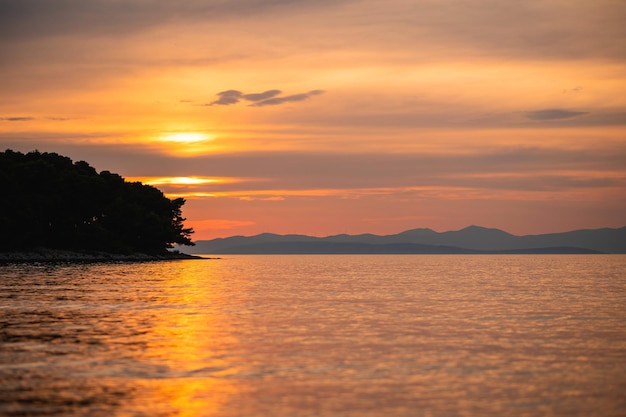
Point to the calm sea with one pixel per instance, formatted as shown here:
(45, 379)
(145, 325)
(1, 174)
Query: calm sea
(318, 335)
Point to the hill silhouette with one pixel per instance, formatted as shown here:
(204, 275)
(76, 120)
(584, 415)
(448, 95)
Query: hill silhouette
(473, 239)
(49, 201)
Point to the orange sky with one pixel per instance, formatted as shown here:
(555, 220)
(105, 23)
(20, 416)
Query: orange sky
(326, 117)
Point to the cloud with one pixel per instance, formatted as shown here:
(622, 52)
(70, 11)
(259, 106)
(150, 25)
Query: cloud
(17, 119)
(533, 28)
(227, 98)
(266, 98)
(513, 167)
(262, 96)
(28, 119)
(287, 99)
(30, 19)
(265, 175)
(553, 114)
(270, 198)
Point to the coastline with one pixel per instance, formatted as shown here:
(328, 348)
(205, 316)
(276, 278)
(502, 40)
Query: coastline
(57, 255)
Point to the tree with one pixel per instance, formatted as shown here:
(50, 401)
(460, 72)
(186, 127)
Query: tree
(53, 202)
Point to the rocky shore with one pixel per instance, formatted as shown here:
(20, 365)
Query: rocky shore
(55, 255)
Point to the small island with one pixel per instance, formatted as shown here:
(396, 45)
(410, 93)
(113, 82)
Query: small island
(59, 210)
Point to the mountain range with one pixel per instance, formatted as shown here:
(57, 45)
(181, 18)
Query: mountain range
(471, 240)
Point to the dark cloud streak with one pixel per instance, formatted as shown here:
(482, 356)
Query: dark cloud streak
(506, 168)
(261, 96)
(553, 114)
(227, 98)
(266, 98)
(28, 119)
(17, 119)
(287, 99)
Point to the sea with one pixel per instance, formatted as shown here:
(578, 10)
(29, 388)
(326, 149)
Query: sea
(316, 335)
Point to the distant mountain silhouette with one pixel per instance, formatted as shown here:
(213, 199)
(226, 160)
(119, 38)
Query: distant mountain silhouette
(472, 239)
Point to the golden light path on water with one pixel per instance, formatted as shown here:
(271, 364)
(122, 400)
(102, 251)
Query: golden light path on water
(187, 340)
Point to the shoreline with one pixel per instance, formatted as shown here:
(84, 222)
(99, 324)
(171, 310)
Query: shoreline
(58, 255)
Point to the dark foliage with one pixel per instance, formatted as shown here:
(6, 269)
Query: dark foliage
(50, 201)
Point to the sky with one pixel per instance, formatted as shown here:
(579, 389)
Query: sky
(325, 117)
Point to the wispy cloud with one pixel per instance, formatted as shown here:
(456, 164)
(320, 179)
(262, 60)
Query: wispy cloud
(266, 98)
(553, 114)
(227, 98)
(287, 99)
(29, 118)
(266, 95)
(270, 198)
(518, 168)
(17, 119)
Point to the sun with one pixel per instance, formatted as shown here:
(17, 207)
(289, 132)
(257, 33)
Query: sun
(180, 180)
(185, 137)
(186, 143)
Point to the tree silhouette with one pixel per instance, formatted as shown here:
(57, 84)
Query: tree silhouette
(50, 201)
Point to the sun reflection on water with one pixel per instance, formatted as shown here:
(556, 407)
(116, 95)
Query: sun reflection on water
(185, 397)
(187, 346)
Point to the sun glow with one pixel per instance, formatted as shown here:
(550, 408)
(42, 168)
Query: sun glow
(186, 143)
(185, 137)
(182, 181)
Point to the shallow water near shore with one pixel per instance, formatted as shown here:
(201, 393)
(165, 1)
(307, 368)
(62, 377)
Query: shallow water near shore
(316, 335)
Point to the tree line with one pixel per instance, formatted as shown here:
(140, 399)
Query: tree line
(52, 202)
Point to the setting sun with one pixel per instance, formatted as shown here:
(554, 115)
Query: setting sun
(186, 143)
(180, 180)
(185, 137)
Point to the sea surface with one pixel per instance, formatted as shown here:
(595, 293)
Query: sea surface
(316, 335)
